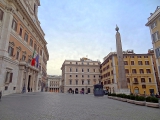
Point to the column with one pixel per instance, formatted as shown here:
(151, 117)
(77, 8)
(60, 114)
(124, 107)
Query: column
(20, 81)
(6, 30)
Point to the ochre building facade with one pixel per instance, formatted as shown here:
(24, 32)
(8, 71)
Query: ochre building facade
(20, 36)
(139, 69)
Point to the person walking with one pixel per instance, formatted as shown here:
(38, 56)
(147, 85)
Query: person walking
(0, 95)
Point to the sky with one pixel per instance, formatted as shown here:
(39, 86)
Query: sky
(79, 28)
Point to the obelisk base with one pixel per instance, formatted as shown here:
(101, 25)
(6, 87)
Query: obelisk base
(123, 91)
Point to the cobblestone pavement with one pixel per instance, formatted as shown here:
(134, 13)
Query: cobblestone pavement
(60, 106)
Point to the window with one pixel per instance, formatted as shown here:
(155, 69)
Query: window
(88, 70)
(38, 50)
(145, 56)
(82, 82)
(125, 62)
(155, 36)
(9, 77)
(70, 75)
(94, 70)
(76, 63)
(35, 8)
(76, 75)
(1, 14)
(88, 76)
(112, 80)
(88, 82)
(14, 88)
(127, 71)
(29, 60)
(35, 46)
(112, 72)
(17, 55)
(138, 56)
(23, 57)
(154, 25)
(132, 56)
(132, 62)
(143, 86)
(82, 76)
(128, 80)
(135, 80)
(157, 51)
(76, 82)
(26, 37)
(41, 52)
(140, 63)
(10, 51)
(148, 70)
(70, 69)
(134, 71)
(31, 42)
(6, 88)
(14, 25)
(141, 71)
(149, 79)
(82, 70)
(20, 31)
(146, 62)
(94, 76)
(142, 79)
(70, 82)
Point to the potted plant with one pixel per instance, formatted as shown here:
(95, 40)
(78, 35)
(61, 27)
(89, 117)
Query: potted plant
(140, 100)
(132, 99)
(152, 102)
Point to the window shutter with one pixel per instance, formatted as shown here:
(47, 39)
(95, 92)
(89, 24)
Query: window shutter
(159, 68)
(12, 51)
(153, 38)
(11, 75)
(156, 50)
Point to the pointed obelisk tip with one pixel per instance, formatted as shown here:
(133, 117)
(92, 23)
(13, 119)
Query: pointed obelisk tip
(117, 28)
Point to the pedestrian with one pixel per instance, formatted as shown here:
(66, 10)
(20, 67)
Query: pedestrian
(0, 95)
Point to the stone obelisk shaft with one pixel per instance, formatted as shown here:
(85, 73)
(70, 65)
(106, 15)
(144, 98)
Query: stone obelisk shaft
(122, 82)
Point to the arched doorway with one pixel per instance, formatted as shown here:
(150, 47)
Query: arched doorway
(82, 90)
(70, 90)
(76, 91)
(136, 90)
(88, 91)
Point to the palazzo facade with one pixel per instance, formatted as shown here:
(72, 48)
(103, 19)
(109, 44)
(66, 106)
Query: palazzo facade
(80, 75)
(20, 37)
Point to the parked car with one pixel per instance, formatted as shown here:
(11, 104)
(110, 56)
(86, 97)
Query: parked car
(105, 92)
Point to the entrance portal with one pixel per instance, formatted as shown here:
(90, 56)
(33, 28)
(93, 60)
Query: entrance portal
(28, 87)
(88, 91)
(76, 91)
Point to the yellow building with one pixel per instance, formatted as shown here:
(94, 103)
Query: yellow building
(154, 26)
(139, 70)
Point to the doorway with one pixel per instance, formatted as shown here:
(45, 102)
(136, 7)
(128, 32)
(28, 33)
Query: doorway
(29, 80)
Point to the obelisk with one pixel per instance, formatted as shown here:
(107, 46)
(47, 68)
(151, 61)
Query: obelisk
(122, 81)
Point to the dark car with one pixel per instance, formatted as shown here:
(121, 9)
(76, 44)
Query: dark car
(105, 92)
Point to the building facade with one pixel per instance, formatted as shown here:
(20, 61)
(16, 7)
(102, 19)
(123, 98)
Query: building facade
(80, 75)
(20, 36)
(54, 83)
(139, 71)
(154, 26)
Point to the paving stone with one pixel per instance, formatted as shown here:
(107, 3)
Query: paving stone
(61, 106)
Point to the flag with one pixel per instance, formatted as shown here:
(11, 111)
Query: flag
(33, 62)
(37, 60)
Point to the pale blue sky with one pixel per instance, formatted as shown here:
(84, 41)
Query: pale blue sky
(76, 28)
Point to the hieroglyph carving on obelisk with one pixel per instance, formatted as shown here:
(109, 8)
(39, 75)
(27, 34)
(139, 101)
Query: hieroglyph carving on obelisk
(122, 82)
